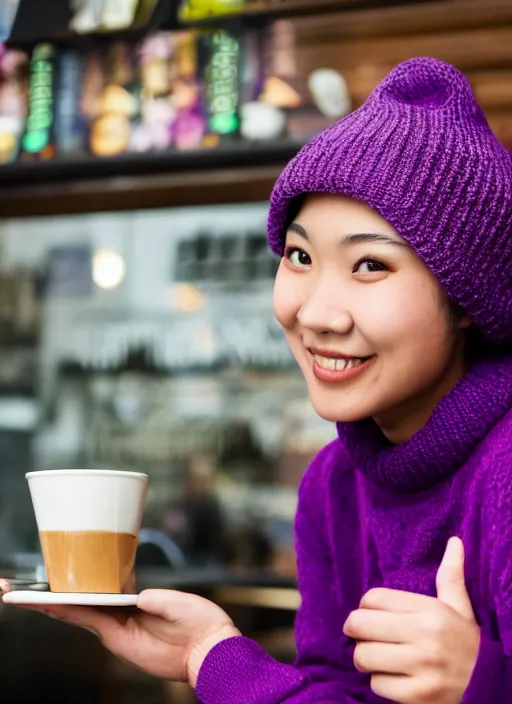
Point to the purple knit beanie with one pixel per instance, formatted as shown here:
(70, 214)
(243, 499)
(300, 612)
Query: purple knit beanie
(421, 153)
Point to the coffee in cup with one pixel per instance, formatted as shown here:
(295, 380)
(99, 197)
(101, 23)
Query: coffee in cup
(88, 522)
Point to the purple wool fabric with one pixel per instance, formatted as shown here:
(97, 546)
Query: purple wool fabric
(371, 514)
(420, 152)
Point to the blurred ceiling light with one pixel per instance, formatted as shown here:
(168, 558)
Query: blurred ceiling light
(108, 269)
(187, 298)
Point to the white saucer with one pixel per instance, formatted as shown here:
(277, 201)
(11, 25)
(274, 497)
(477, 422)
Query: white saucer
(35, 598)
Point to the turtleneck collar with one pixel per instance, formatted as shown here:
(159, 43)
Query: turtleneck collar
(459, 422)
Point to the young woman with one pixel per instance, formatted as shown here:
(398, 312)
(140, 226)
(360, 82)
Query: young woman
(395, 296)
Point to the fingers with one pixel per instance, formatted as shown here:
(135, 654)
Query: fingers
(396, 601)
(397, 688)
(384, 658)
(94, 620)
(381, 626)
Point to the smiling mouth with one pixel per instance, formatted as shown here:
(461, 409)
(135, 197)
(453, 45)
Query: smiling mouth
(337, 369)
(338, 364)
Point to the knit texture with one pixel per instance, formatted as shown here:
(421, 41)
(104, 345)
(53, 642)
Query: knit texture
(354, 533)
(421, 153)
(478, 400)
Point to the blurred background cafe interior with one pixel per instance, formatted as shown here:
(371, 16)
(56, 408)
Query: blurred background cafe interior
(139, 141)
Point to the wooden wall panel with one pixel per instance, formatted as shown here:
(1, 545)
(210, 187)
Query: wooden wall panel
(490, 47)
(427, 17)
(474, 35)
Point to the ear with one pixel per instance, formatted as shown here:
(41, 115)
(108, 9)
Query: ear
(465, 322)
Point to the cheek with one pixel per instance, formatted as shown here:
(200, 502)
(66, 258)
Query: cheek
(407, 316)
(287, 299)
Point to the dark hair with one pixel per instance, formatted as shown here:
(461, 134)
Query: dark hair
(476, 344)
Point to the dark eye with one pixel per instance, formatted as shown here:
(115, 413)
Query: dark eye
(367, 265)
(298, 257)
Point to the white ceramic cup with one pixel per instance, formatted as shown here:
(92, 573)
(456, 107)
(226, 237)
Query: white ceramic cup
(75, 506)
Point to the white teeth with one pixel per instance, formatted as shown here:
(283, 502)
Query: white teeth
(338, 365)
(325, 362)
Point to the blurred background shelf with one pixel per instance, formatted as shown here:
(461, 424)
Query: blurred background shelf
(340, 18)
(294, 8)
(362, 44)
(30, 26)
(241, 154)
(235, 173)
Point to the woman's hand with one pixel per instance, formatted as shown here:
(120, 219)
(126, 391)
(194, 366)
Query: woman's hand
(168, 636)
(417, 648)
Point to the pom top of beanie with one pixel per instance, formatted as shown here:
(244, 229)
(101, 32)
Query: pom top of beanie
(421, 153)
(427, 84)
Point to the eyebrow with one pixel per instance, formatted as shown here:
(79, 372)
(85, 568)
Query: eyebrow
(359, 237)
(298, 229)
(355, 238)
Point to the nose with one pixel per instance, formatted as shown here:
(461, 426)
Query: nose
(325, 310)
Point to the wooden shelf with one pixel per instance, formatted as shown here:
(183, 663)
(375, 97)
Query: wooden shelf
(30, 27)
(409, 20)
(237, 173)
(294, 8)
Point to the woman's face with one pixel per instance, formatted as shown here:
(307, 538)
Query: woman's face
(365, 319)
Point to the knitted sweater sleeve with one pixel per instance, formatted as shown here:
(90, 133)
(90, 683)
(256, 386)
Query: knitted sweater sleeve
(491, 681)
(238, 671)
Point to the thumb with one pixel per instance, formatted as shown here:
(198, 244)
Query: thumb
(179, 607)
(450, 582)
(191, 616)
(169, 604)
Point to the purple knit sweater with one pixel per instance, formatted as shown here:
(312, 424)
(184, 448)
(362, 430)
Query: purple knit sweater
(372, 514)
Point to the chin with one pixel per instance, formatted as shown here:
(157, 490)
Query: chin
(338, 413)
